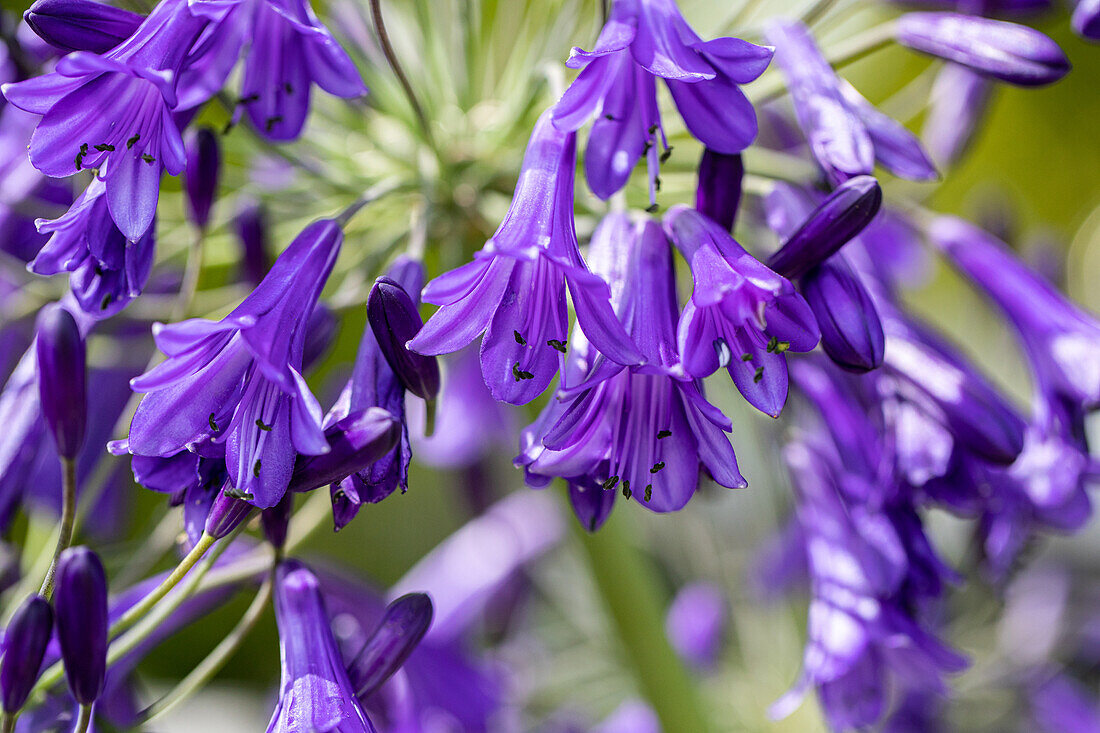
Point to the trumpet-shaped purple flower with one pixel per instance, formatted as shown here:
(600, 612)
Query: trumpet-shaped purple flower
(718, 193)
(106, 270)
(238, 381)
(113, 112)
(315, 693)
(647, 429)
(288, 50)
(81, 25)
(741, 315)
(642, 41)
(514, 290)
(1061, 341)
(846, 134)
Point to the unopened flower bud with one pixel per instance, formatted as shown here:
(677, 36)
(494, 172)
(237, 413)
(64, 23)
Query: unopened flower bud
(402, 627)
(354, 442)
(25, 642)
(1007, 51)
(227, 512)
(200, 177)
(81, 604)
(320, 333)
(1086, 19)
(81, 25)
(851, 332)
(276, 520)
(843, 215)
(62, 373)
(696, 623)
(718, 194)
(250, 225)
(395, 320)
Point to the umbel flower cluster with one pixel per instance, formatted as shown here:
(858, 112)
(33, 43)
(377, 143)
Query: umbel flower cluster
(232, 366)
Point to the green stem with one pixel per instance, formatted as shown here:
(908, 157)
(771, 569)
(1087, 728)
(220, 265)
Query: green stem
(7, 723)
(395, 66)
(84, 719)
(630, 590)
(189, 288)
(65, 532)
(208, 667)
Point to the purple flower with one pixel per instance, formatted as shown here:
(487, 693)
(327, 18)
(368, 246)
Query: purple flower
(1007, 51)
(289, 50)
(741, 315)
(238, 381)
(403, 625)
(1086, 19)
(113, 112)
(81, 25)
(846, 134)
(647, 429)
(394, 318)
(644, 40)
(355, 442)
(1061, 341)
(106, 270)
(200, 178)
(62, 373)
(633, 716)
(251, 228)
(514, 290)
(718, 194)
(315, 693)
(851, 332)
(958, 103)
(696, 622)
(81, 604)
(24, 645)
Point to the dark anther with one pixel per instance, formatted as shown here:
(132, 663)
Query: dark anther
(519, 338)
(249, 99)
(520, 374)
(648, 145)
(148, 158)
(261, 426)
(610, 483)
(80, 156)
(235, 493)
(133, 141)
(657, 466)
(758, 375)
(556, 345)
(256, 468)
(652, 208)
(213, 425)
(664, 434)
(653, 129)
(104, 148)
(289, 88)
(228, 126)
(775, 346)
(609, 116)
(657, 182)
(667, 154)
(648, 493)
(105, 302)
(626, 490)
(270, 122)
(746, 356)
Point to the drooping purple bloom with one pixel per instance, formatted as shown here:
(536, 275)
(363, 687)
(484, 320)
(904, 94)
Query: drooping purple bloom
(81, 25)
(741, 315)
(355, 442)
(403, 625)
(1060, 705)
(113, 112)
(81, 605)
(1061, 341)
(851, 332)
(718, 193)
(315, 693)
(957, 105)
(288, 50)
(276, 521)
(837, 219)
(846, 134)
(696, 622)
(227, 512)
(200, 178)
(646, 429)
(394, 318)
(238, 381)
(642, 41)
(514, 290)
(1086, 19)
(106, 270)
(62, 376)
(251, 228)
(24, 645)
(1010, 52)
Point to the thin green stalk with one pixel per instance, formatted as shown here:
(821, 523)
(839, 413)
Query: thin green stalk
(7, 723)
(208, 667)
(629, 587)
(84, 719)
(65, 531)
(402, 79)
(189, 288)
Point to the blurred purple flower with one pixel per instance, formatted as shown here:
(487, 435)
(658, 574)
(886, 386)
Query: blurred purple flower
(696, 623)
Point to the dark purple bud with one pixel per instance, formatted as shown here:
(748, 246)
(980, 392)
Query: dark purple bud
(718, 194)
(402, 627)
(81, 604)
(354, 443)
(851, 332)
(395, 319)
(227, 512)
(1086, 19)
(251, 227)
(346, 501)
(81, 25)
(25, 642)
(62, 372)
(320, 333)
(1007, 51)
(592, 504)
(841, 216)
(200, 177)
(276, 520)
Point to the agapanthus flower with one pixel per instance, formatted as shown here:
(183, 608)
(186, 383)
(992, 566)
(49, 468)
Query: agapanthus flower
(200, 178)
(514, 290)
(1086, 19)
(81, 25)
(696, 622)
(845, 132)
(106, 270)
(647, 430)
(741, 315)
(81, 605)
(851, 332)
(315, 693)
(957, 105)
(1061, 341)
(238, 382)
(645, 40)
(62, 378)
(288, 50)
(24, 645)
(112, 112)
(718, 192)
